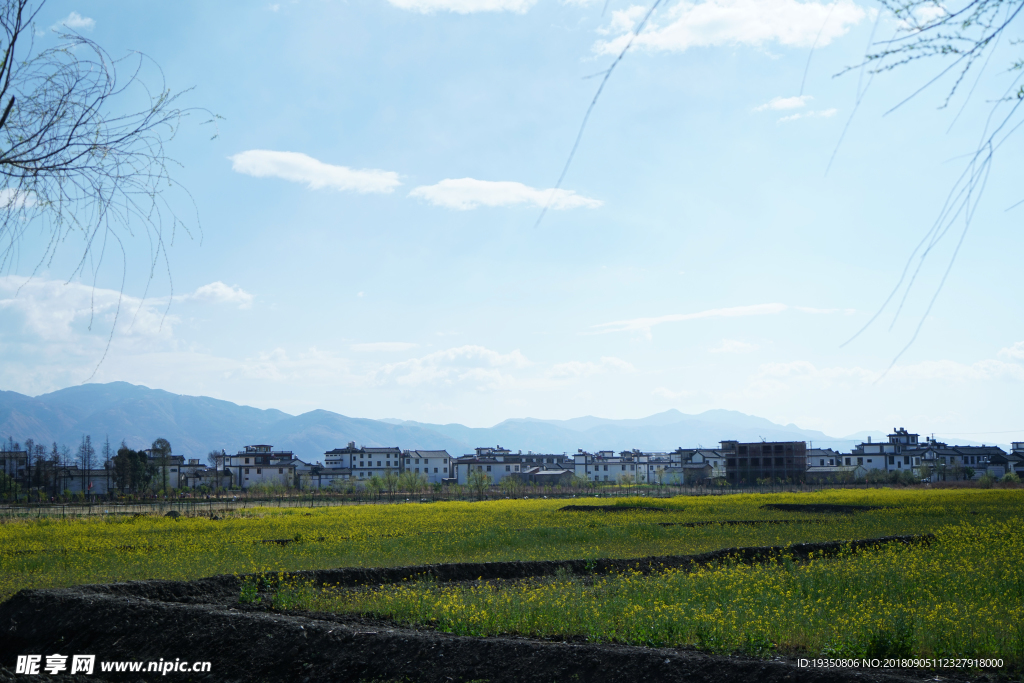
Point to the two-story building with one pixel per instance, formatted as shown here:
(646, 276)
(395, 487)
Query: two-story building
(611, 467)
(259, 464)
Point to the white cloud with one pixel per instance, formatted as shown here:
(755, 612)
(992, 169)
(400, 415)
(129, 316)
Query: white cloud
(384, 346)
(464, 6)
(780, 103)
(469, 193)
(57, 311)
(465, 364)
(734, 346)
(736, 22)
(300, 168)
(76, 22)
(774, 377)
(16, 200)
(218, 292)
(666, 393)
(822, 114)
(645, 324)
(1015, 351)
(575, 368)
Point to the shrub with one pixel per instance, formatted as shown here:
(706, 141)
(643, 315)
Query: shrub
(986, 481)
(1010, 478)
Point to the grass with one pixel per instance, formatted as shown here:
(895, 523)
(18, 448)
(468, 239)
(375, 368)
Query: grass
(56, 553)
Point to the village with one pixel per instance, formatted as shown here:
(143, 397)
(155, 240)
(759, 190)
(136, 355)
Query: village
(903, 458)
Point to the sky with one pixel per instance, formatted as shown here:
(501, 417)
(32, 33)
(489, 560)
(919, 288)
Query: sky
(360, 223)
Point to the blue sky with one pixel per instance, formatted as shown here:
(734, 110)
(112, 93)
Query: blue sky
(367, 241)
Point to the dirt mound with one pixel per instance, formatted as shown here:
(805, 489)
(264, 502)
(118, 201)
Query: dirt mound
(249, 646)
(224, 589)
(821, 507)
(609, 508)
(744, 522)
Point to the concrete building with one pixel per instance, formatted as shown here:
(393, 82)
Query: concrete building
(259, 464)
(777, 460)
(498, 463)
(435, 465)
(363, 463)
(611, 467)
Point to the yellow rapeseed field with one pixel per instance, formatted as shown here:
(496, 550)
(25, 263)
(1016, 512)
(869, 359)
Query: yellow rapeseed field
(961, 596)
(57, 553)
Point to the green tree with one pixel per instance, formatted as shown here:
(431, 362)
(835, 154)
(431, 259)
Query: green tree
(375, 485)
(390, 481)
(162, 459)
(479, 482)
(512, 486)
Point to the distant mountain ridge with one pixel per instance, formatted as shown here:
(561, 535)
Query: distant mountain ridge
(195, 425)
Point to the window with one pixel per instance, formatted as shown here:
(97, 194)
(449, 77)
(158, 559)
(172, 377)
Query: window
(869, 461)
(418, 470)
(417, 461)
(488, 468)
(247, 461)
(388, 463)
(892, 460)
(860, 461)
(247, 470)
(623, 468)
(174, 469)
(435, 470)
(847, 461)
(606, 477)
(906, 459)
(426, 461)
(778, 462)
(259, 470)
(743, 462)
(822, 462)
(361, 464)
(632, 467)
(445, 470)
(408, 461)
(754, 462)
(280, 471)
(508, 468)
(606, 469)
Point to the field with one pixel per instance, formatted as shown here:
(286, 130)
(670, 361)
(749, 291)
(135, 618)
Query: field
(959, 595)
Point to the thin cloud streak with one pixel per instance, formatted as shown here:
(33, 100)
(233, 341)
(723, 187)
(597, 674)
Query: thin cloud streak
(645, 324)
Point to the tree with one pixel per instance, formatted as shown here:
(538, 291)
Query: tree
(81, 145)
(512, 485)
(215, 456)
(162, 459)
(375, 484)
(478, 481)
(966, 32)
(390, 480)
(86, 456)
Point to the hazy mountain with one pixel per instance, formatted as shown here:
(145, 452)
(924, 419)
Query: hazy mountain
(661, 432)
(196, 425)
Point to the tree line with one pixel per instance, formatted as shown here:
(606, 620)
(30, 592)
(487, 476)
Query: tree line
(46, 468)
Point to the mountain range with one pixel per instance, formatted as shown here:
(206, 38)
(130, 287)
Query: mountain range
(195, 425)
